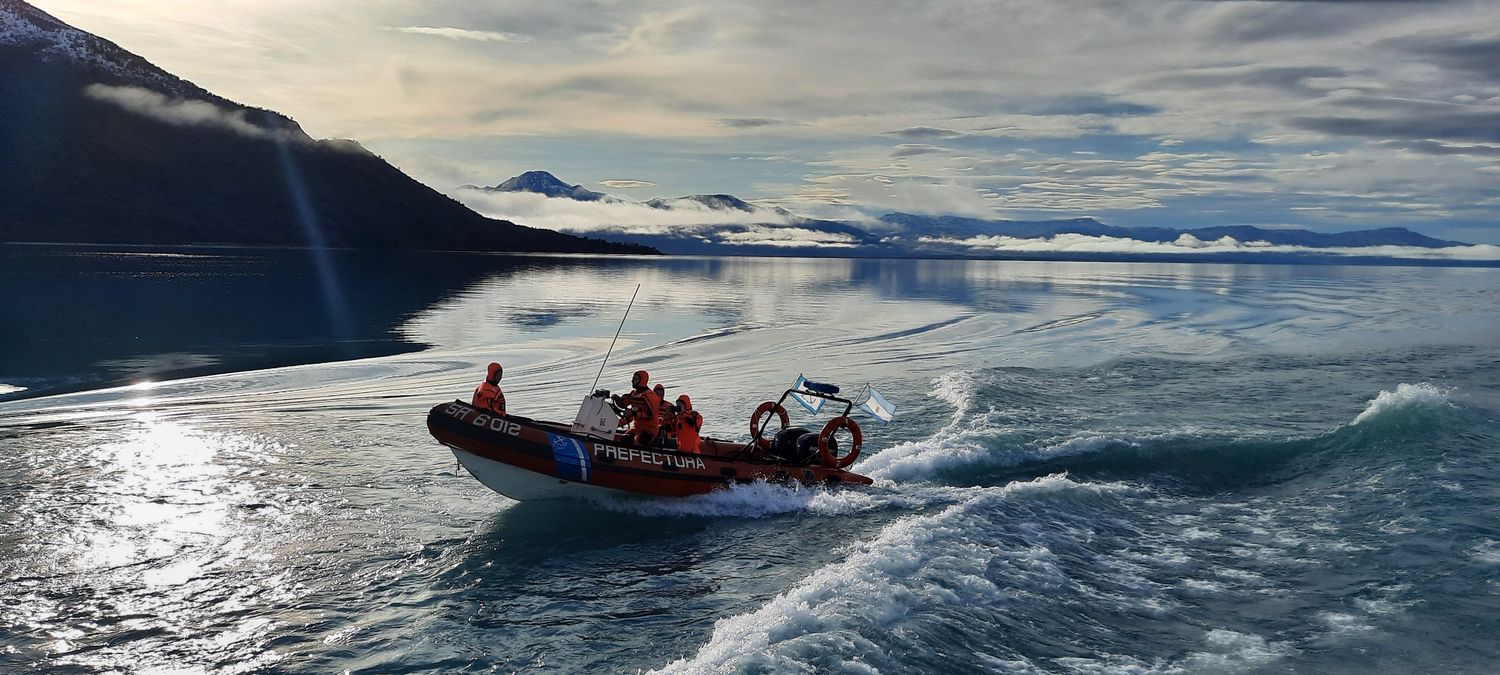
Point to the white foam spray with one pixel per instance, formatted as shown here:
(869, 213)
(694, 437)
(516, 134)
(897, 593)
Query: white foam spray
(1487, 551)
(761, 499)
(1405, 396)
(881, 581)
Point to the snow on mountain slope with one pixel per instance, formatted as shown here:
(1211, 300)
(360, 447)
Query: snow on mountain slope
(24, 26)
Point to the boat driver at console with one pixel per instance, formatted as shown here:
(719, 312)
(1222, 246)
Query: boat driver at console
(644, 415)
(487, 396)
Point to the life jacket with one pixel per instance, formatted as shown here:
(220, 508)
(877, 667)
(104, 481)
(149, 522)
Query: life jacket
(665, 417)
(487, 396)
(645, 410)
(663, 410)
(688, 424)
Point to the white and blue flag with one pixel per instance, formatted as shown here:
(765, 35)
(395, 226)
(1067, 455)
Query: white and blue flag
(812, 403)
(876, 406)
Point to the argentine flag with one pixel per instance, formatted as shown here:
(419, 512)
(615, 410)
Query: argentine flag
(812, 403)
(876, 406)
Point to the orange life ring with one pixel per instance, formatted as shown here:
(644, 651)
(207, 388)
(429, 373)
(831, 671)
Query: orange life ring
(825, 437)
(755, 424)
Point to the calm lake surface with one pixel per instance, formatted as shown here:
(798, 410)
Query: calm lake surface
(1095, 467)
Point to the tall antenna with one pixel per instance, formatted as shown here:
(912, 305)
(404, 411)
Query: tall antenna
(617, 336)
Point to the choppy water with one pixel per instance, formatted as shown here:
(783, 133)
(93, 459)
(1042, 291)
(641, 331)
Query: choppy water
(1095, 468)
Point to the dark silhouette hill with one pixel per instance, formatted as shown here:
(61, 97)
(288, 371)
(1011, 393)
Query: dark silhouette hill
(97, 145)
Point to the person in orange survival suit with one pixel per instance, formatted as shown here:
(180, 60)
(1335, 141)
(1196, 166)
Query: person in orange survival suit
(686, 425)
(487, 396)
(645, 410)
(664, 414)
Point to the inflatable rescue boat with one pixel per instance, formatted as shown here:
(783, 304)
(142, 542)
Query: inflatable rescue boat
(527, 459)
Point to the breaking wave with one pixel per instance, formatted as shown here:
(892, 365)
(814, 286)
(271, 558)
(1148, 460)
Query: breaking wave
(1405, 396)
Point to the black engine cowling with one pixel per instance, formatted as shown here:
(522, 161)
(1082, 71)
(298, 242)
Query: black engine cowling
(798, 445)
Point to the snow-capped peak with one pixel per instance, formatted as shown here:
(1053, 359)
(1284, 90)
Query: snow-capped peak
(544, 183)
(25, 26)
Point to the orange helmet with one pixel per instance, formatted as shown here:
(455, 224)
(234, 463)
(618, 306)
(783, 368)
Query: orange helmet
(495, 372)
(685, 402)
(660, 390)
(640, 379)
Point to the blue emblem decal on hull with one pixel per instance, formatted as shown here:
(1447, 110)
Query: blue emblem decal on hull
(572, 460)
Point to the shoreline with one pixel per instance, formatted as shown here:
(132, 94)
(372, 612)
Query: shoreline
(1310, 258)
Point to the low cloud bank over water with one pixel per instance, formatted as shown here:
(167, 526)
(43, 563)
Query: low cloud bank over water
(605, 217)
(1188, 244)
(690, 227)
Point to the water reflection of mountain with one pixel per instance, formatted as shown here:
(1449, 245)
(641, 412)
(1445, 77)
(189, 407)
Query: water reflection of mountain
(81, 318)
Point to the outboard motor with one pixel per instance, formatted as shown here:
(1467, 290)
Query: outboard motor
(799, 445)
(807, 447)
(788, 444)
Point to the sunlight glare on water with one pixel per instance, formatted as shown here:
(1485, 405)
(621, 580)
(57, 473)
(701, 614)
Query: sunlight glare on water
(1094, 468)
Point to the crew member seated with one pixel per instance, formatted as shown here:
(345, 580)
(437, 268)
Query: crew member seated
(686, 425)
(487, 396)
(664, 416)
(644, 416)
(668, 419)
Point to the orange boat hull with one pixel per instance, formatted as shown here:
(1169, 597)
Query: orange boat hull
(529, 459)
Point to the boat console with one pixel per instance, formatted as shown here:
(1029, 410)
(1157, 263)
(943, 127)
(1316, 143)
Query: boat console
(597, 417)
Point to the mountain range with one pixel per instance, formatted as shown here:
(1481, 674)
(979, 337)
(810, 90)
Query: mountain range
(98, 145)
(726, 225)
(956, 227)
(706, 224)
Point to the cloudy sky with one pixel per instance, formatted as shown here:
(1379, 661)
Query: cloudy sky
(1323, 114)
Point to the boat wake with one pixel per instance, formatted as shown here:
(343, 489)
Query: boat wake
(975, 450)
(857, 613)
(762, 499)
(983, 442)
(1003, 556)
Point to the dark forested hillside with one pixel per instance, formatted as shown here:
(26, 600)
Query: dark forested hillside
(99, 146)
